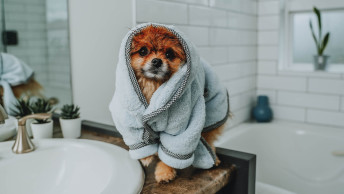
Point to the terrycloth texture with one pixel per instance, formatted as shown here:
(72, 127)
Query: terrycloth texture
(13, 72)
(190, 102)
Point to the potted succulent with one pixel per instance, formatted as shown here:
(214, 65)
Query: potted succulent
(70, 121)
(320, 60)
(23, 108)
(42, 128)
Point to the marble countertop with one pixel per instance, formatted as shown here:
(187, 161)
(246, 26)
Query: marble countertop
(189, 180)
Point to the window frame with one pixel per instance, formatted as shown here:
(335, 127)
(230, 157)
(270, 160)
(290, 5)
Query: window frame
(287, 10)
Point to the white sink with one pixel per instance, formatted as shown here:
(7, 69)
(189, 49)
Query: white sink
(61, 166)
(8, 129)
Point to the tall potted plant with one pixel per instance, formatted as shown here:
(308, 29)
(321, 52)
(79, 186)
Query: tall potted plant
(70, 121)
(42, 128)
(23, 108)
(320, 60)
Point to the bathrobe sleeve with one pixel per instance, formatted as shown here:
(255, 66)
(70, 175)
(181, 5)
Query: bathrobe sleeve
(138, 148)
(178, 150)
(134, 135)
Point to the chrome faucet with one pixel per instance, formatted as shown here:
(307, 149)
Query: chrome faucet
(23, 144)
(3, 115)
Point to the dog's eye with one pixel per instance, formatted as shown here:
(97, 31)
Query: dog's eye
(143, 51)
(170, 54)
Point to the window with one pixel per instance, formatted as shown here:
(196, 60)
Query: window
(299, 46)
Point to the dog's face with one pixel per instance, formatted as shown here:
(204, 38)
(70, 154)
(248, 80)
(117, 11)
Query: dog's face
(156, 54)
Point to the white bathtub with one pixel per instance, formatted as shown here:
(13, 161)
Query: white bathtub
(292, 157)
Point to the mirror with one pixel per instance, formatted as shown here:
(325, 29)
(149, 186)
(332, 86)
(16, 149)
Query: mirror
(35, 54)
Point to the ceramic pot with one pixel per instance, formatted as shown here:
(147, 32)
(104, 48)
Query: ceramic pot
(320, 62)
(28, 126)
(71, 128)
(262, 112)
(42, 130)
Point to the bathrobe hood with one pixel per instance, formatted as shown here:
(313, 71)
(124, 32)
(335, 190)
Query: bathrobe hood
(13, 72)
(192, 101)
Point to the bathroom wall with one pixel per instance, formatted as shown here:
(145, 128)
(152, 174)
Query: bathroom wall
(225, 33)
(314, 97)
(95, 39)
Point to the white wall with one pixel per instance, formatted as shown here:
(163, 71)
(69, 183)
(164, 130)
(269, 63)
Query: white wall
(225, 33)
(96, 31)
(314, 97)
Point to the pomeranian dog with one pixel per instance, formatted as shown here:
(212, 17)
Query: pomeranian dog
(156, 54)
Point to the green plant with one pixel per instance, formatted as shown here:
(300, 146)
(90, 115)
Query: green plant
(23, 108)
(41, 106)
(320, 42)
(70, 111)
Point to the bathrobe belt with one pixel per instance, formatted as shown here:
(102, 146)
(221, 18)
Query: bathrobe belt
(152, 137)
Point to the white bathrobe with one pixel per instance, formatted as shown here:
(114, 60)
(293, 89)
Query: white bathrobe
(190, 102)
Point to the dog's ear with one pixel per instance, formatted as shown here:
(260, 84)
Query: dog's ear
(135, 45)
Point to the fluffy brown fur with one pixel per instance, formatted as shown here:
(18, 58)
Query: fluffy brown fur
(31, 88)
(157, 43)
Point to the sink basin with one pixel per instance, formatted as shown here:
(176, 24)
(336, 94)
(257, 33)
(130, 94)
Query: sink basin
(8, 129)
(61, 166)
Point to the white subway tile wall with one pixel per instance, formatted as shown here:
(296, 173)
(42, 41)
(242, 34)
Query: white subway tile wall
(268, 22)
(268, 38)
(326, 86)
(161, 11)
(325, 117)
(233, 35)
(267, 67)
(289, 113)
(282, 83)
(311, 97)
(267, 52)
(300, 99)
(272, 94)
(268, 7)
(225, 32)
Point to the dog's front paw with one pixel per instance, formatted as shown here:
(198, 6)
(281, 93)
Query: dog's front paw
(147, 160)
(164, 173)
(218, 161)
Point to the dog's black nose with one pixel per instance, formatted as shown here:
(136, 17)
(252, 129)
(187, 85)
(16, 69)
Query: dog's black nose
(157, 62)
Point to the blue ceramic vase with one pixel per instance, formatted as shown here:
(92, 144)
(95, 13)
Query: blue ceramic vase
(262, 112)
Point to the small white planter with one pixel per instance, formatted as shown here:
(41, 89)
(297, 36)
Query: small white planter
(41, 131)
(28, 126)
(71, 128)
